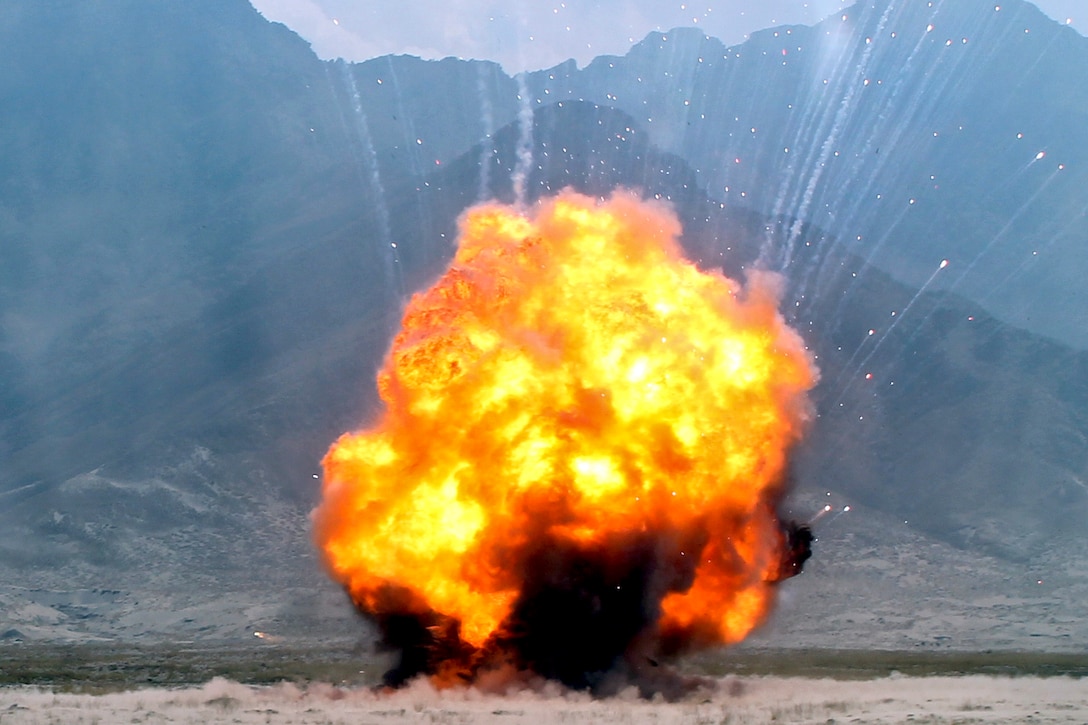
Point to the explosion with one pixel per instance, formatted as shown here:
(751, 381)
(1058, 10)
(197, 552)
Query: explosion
(584, 441)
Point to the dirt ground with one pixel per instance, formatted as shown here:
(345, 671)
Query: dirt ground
(896, 699)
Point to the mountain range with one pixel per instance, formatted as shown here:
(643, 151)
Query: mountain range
(208, 236)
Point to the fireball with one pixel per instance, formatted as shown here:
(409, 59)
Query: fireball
(573, 405)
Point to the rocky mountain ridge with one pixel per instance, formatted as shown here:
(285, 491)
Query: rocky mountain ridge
(199, 282)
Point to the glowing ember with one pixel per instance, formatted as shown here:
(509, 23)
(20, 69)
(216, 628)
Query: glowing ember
(584, 442)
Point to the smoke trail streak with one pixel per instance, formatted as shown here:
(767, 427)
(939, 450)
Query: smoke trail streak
(1077, 221)
(819, 515)
(1027, 73)
(814, 118)
(1008, 225)
(840, 512)
(487, 148)
(725, 87)
(903, 121)
(411, 140)
(844, 111)
(873, 251)
(920, 107)
(857, 351)
(883, 337)
(889, 105)
(815, 115)
(524, 162)
(413, 147)
(390, 257)
(925, 104)
(1003, 230)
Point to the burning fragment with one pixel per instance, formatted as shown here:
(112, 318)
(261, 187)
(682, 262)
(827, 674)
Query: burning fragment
(797, 551)
(584, 442)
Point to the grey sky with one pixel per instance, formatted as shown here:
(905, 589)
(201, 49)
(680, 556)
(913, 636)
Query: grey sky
(533, 34)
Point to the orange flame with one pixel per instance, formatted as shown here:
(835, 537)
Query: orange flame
(571, 376)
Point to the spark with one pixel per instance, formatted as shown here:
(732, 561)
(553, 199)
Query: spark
(820, 514)
(879, 342)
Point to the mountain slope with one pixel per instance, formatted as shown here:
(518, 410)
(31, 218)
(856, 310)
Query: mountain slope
(208, 241)
(908, 130)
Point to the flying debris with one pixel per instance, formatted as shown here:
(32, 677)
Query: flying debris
(799, 540)
(581, 456)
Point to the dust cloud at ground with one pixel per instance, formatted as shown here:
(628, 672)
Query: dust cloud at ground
(896, 699)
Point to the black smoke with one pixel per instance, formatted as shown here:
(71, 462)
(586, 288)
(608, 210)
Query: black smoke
(798, 549)
(587, 616)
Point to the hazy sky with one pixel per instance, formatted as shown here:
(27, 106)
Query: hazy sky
(533, 34)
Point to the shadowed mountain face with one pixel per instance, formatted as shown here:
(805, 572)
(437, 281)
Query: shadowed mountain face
(916, 132)
(940, 433)
(208, 236)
